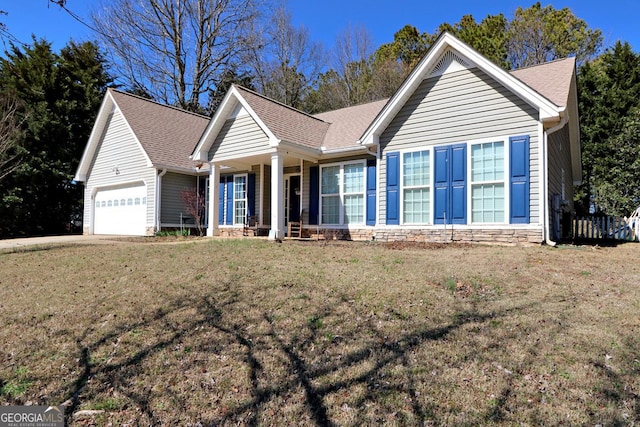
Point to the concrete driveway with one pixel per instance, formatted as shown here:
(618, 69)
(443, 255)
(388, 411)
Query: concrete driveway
(48, 240)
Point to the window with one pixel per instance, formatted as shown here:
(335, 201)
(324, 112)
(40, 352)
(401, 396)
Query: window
(353, 190)
(129, 202)
(115, 203)
(330, 190)
(416, 193)
(122, 202)
(342, 193)
(239, 198)
(144, 200)
(137, 201)
(109, 203)
(487, 182)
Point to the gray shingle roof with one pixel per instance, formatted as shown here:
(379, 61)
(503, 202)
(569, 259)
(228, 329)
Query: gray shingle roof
(551, 80)
(167, 134)
(286, 123)
(348, 124)
(333, 129)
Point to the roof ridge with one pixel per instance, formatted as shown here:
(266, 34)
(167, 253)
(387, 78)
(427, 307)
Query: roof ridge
(277, 102)
(544, 63)
(152, 101)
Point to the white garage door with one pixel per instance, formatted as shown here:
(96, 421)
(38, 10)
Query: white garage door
(121, 211)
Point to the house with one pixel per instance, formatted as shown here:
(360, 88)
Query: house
(136, 164)
(463, 151)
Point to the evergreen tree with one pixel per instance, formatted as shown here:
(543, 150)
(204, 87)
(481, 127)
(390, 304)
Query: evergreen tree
(541, 34)
(489, 37)
(60, 95)
(609, 93)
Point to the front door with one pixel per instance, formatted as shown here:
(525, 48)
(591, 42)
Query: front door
(292, 199)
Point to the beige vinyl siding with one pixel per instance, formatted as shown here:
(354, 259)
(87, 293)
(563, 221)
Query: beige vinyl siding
(239, 137)
(560, 176)
(118, 150)
(459, 107)
(172, 205)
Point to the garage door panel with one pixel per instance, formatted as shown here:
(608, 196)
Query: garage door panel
(121, 211)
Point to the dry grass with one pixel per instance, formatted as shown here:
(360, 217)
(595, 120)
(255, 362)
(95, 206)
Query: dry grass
(245, 332)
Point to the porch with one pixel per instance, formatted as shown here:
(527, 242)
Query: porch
(259, 195)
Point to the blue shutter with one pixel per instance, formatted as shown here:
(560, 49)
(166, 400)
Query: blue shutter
(519, 179)
(450, 197)
(314, 194)
(393, 188)
(251, 195)
(458, 184)
(229, 200)
(441, 183)
(221, 188)
(371, 192)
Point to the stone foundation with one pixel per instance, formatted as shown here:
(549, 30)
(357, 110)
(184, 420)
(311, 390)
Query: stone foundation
(463, 235)
(432, 235)
(511, 236)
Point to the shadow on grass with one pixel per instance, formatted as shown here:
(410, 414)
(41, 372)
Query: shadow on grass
(318, 377)
(380, 356)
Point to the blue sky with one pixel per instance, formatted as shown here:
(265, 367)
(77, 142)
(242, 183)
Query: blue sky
(617, 19)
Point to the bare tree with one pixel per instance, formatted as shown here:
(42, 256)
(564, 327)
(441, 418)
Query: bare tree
(174, 49)
(10, 131)
(353, 62)
(284, 59)
(195, 206)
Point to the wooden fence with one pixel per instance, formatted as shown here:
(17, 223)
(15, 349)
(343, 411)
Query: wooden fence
(598, 227)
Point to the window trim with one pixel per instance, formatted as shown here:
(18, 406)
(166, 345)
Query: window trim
(244, 176)
(341, 193)
(505, 179)
(429, 186)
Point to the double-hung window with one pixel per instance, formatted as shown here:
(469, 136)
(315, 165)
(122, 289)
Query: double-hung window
(487, 182)
(239, 199)
(416, 193)
(342, 193)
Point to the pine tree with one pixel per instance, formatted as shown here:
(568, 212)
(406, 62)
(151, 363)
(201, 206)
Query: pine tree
(59, 96)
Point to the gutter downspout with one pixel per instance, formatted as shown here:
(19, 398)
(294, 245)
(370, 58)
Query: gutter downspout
(545, 171)
(159, 196)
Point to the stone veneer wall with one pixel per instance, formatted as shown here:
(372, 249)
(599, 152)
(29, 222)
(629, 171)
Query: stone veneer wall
(511, 236)
(508, 236)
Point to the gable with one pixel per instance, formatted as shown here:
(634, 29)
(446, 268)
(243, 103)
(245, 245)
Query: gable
(457, 106)
(118, 156)
(449, 54)
(240, 136)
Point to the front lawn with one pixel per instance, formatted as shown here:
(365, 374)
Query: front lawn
(228, 332)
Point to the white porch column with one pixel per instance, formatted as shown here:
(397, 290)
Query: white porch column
(277, 197)
(214, 194)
